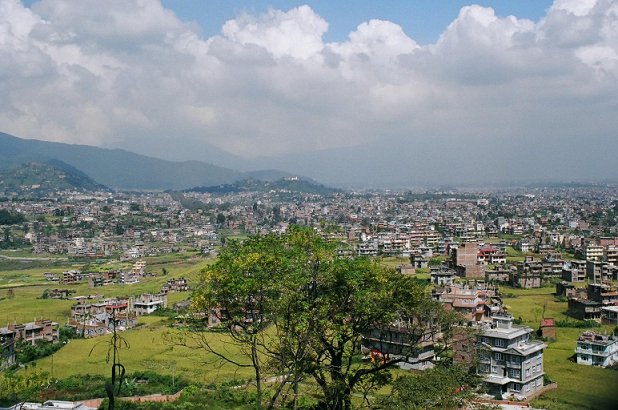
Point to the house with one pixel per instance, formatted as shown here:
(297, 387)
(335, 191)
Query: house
(175, 285)
(442, 276)
(490, 255)
(597, 350)
(464, 259)
(602, 293)
(600, 271)
(548, 328)
(609, 315)
(574, 271)
(406, 269)
(418, 261)
(147, 303)
(71, 277)
(529, 274)
(499, 274)
(471, 302)
(400, 341)
(100, 317)
(33, 332)
(7, 348)
(510, 362)
(593, 252)
(565, 289)
(584, 309)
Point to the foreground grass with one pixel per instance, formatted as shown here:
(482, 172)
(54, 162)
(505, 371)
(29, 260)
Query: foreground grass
(148, 350)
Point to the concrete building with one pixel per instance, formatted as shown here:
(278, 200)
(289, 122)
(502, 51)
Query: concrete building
(593, 252)
(464, 259)
(148, 303)
(597, 350)
(7, 348)
(511, 363)
(33, 332)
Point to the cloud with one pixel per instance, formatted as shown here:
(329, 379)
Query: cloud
(129, 73)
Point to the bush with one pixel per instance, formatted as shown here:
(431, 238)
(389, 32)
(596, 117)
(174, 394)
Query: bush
(577, 323)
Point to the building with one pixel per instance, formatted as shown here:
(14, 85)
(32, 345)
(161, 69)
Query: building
(470, 302)
(509, 361)
(51, 405)
(593, 252)
(602, 293)
(529, 274)
(574, 271)
(597, 350)
(7, 348)
(464, 259)
(175, 285)
(609, 315)
(401, 342)
(148, 303)
(100, 317)
(548, 328)
(600, 271)
(584, 309)
(43, 330)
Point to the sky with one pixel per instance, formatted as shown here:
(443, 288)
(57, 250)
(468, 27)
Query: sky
(487, 88)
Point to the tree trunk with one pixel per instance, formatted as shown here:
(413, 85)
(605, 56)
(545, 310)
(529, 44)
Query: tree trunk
(258, 374)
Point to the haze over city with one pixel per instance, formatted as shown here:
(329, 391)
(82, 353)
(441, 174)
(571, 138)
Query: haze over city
(384, 94)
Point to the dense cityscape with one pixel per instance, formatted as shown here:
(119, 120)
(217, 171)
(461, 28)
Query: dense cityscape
(477, 250)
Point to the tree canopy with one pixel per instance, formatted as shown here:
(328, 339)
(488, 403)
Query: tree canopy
(301, 312)
(8, 218)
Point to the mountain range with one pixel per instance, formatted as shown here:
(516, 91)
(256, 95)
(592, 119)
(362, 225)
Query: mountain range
(120, 169)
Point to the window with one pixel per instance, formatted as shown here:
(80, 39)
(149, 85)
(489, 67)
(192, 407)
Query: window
(515, 373)
(499, 356)
(500, 342)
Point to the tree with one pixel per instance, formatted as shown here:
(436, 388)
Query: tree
(300, 311)
(438, 388)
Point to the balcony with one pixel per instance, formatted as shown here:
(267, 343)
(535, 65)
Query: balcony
(592, 352)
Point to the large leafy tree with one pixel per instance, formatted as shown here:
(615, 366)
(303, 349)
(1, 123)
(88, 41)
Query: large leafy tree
(439, 388)
(299, 311)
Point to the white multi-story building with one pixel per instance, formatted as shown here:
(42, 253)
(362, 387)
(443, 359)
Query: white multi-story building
(597, 350)
(510, 362)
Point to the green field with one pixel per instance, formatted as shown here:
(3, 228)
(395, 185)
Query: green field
(149, 349)
(27, 286)
(579, 386)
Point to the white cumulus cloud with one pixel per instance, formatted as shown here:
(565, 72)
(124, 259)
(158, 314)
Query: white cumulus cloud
(130, 73)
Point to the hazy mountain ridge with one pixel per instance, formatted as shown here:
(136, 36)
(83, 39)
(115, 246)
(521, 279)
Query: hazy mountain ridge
(122, 169)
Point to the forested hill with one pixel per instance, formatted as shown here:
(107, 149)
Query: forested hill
(291, 184)
(36, 179)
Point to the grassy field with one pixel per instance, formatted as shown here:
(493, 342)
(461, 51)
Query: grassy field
(148, 350)
(579, 386)
(27, 286)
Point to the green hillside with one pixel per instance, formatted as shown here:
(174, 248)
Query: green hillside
(41, 179)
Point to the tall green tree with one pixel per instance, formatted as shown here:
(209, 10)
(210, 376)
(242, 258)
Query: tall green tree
(299, 311)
